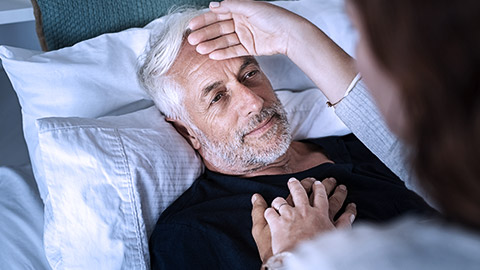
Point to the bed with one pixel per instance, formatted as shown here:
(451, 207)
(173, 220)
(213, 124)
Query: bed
(104, 163)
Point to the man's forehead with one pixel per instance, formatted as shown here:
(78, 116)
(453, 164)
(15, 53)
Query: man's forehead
(189, 59)
(192, 66)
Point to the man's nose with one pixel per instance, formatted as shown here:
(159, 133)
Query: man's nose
(247, 101)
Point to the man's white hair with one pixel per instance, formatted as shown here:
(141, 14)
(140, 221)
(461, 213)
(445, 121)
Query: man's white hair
(163, 48)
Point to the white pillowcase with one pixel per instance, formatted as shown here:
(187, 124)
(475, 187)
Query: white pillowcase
(91, 79)
(105, 181)
(108, 181)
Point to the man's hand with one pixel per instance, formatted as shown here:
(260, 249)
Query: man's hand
(261, 229)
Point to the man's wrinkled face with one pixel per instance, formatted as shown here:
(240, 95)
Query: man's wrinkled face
(239, 125)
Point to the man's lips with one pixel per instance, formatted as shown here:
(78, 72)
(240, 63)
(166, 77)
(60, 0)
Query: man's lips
(262, 127)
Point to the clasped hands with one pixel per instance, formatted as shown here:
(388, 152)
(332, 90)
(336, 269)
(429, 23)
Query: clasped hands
(309, 210)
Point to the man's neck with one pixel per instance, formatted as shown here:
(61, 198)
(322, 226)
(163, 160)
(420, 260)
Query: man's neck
(299, 157)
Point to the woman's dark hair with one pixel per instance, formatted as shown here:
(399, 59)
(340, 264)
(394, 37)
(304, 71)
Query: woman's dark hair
(431, 48)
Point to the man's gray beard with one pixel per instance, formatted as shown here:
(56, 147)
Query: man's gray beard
(238, 156)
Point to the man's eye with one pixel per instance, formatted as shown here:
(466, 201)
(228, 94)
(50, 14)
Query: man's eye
(251, 74)
(217, 98)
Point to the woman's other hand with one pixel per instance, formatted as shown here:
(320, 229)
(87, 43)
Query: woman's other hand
(291, 225)
(285, 225)
(260, 229)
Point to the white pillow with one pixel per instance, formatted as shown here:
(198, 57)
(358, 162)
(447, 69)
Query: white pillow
(108, 181)
(91, 79)
(97, 78)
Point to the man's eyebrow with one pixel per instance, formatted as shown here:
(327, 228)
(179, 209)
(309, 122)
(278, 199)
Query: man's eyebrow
(210, 87)
(246, 62)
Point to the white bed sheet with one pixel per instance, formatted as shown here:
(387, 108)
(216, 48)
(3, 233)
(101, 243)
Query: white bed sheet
(21, 220)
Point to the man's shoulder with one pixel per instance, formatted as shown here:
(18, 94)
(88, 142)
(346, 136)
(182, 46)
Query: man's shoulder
(209, 193)
(174, 211)
(179, 244)
(330, 139)
(208, 225)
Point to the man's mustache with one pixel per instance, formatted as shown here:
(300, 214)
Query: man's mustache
(264, 114)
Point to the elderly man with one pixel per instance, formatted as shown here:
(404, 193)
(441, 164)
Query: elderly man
(228, 111)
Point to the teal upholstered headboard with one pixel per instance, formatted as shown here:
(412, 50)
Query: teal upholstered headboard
(62, 23)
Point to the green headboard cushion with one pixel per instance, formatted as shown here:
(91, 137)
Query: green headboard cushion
(62, 23)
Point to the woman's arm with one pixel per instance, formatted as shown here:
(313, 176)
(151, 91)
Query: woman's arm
(360, 114)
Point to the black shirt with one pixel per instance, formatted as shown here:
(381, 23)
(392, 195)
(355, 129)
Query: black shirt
(209, 226)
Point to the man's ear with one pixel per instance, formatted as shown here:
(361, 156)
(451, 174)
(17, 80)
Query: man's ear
(185, 131)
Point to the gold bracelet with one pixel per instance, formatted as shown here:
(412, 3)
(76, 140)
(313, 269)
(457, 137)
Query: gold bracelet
(349, 89)
(329, 104)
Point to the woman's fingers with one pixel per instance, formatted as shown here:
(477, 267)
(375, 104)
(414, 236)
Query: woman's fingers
(211, 31)
(307, 185)
(271, 216)
(207, 19)
(223, 12)
(281, 205)
(230, 52)
(336, 200)
(347, 218)
(218, 43)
